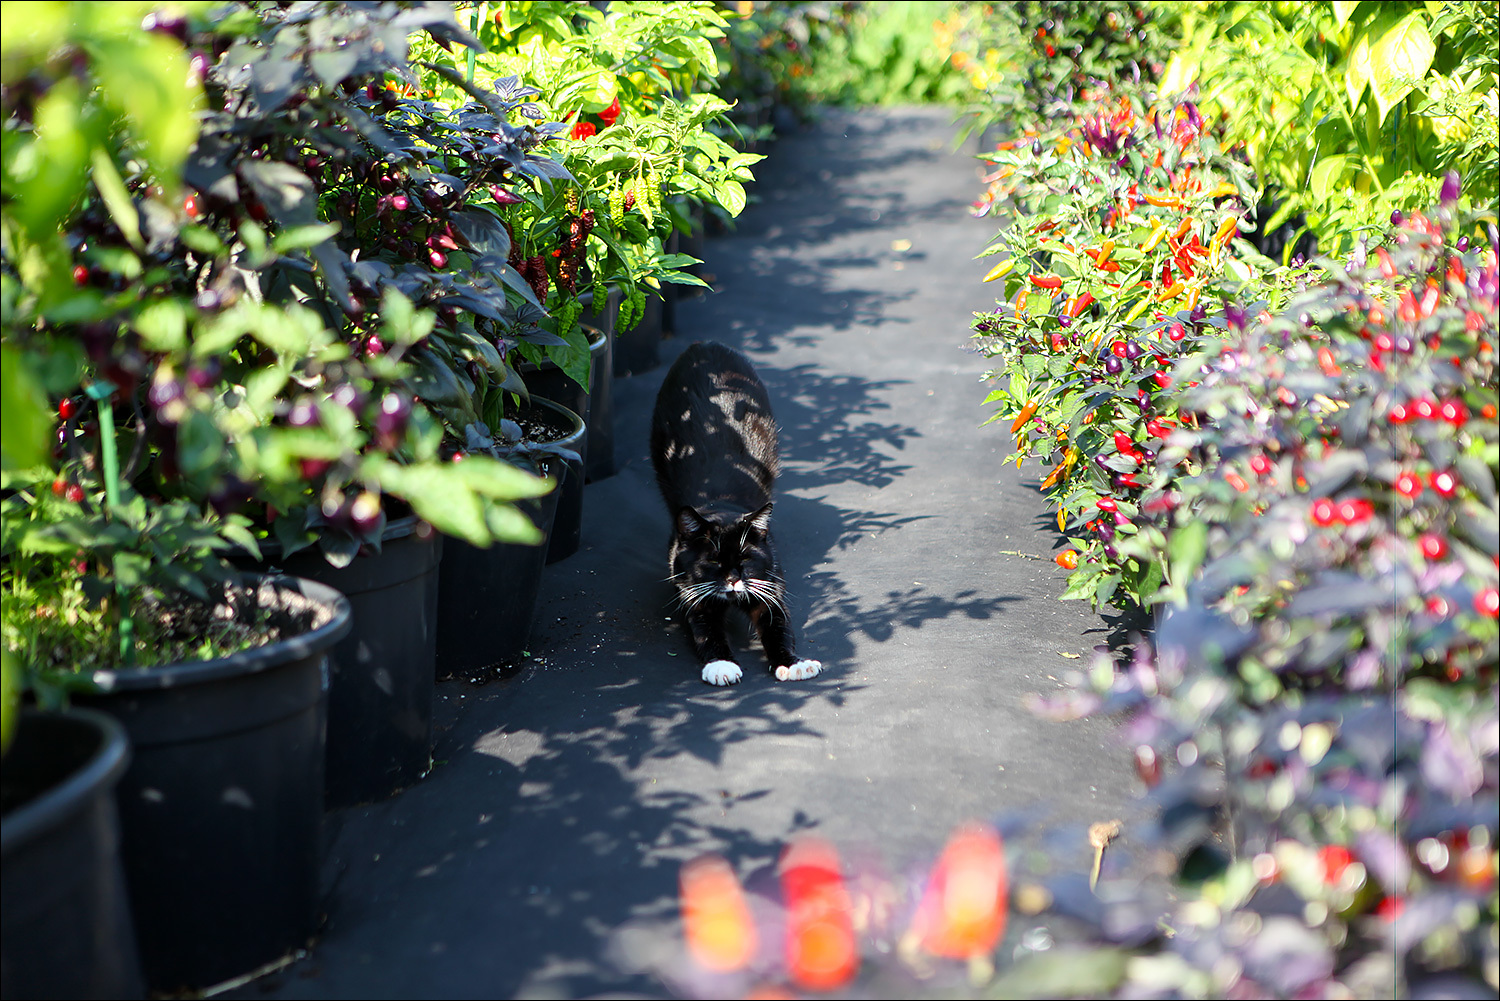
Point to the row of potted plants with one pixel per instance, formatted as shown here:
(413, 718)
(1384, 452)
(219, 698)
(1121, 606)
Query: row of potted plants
(284, 290)
(1296, 467)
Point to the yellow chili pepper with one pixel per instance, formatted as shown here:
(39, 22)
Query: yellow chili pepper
(1157, 235)
(1105, 251)
(1162, 201)
(1140, 308)
(1062, 519)
(1221, 235)
(1000, 270)
(1223, 189)
(1192, 299)
(1023, 417)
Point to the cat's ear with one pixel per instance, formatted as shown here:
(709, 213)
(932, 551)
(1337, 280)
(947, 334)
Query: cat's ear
(690, 524)
(760, 521)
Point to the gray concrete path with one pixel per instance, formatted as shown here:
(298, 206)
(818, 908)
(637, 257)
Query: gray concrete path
(541, 856)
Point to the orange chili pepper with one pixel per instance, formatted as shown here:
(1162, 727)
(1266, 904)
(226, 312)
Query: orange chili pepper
(1192, 299)
(1023, 417)
(1163, 201)
(1104, 253)
(1183, 228)
(1172, 291)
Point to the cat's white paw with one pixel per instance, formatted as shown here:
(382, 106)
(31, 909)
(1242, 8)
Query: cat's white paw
(722, 672)
(800, 671)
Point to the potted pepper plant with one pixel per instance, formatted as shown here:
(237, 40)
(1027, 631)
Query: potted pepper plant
(194, 346)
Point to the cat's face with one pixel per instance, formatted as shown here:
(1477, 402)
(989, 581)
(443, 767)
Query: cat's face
(729, 559)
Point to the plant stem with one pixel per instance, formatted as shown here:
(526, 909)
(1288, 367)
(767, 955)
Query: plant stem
(475, 20)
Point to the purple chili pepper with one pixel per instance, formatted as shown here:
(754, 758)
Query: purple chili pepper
(1452, 185)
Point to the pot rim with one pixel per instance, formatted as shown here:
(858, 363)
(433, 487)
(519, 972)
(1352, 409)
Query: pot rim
(251, 661)
(30, 820)
(579, 428)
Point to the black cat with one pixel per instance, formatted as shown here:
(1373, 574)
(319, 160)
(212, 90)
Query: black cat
(713, 443)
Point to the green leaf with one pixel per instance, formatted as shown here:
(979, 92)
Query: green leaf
(298, 237)
(1186, 547)
(1357, 69)
(163, 325)
(1399, 61)
(1342, 9)
(116, 198)
(1325, 175)
(144, 75)
(1061, 973)
(25, 418)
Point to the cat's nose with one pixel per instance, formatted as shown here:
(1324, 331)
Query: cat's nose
(734, 583)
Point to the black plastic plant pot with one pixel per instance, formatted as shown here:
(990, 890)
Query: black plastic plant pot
(487, 597)
(567, 524)
(221, 809)
(548, 382)
(380, 694)
(66, 929)
(637, 350)
(600, 459)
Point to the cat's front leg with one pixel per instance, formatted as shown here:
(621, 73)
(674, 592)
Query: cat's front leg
(705, 624)
(780, 645)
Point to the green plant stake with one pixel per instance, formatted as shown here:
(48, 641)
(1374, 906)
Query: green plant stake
(100, 393)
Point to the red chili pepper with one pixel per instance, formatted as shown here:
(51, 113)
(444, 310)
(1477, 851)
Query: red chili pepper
(1046, 281)
(1387, 266)
(1078, 305)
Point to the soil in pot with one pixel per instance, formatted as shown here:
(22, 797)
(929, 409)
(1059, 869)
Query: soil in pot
(221, 809)
(66, 929)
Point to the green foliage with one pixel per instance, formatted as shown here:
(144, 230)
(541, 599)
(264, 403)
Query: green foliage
(882, 54)
(1349, 110)
(631, 86)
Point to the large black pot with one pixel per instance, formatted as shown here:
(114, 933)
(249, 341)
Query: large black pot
(66, 915)
(600, 457)
(549, 383)
(221, 810)
(487, 597)
(380, 695)
(638, 349)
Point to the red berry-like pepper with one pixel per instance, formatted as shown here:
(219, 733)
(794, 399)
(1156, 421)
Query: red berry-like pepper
(67, 408)
(1434, 547)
